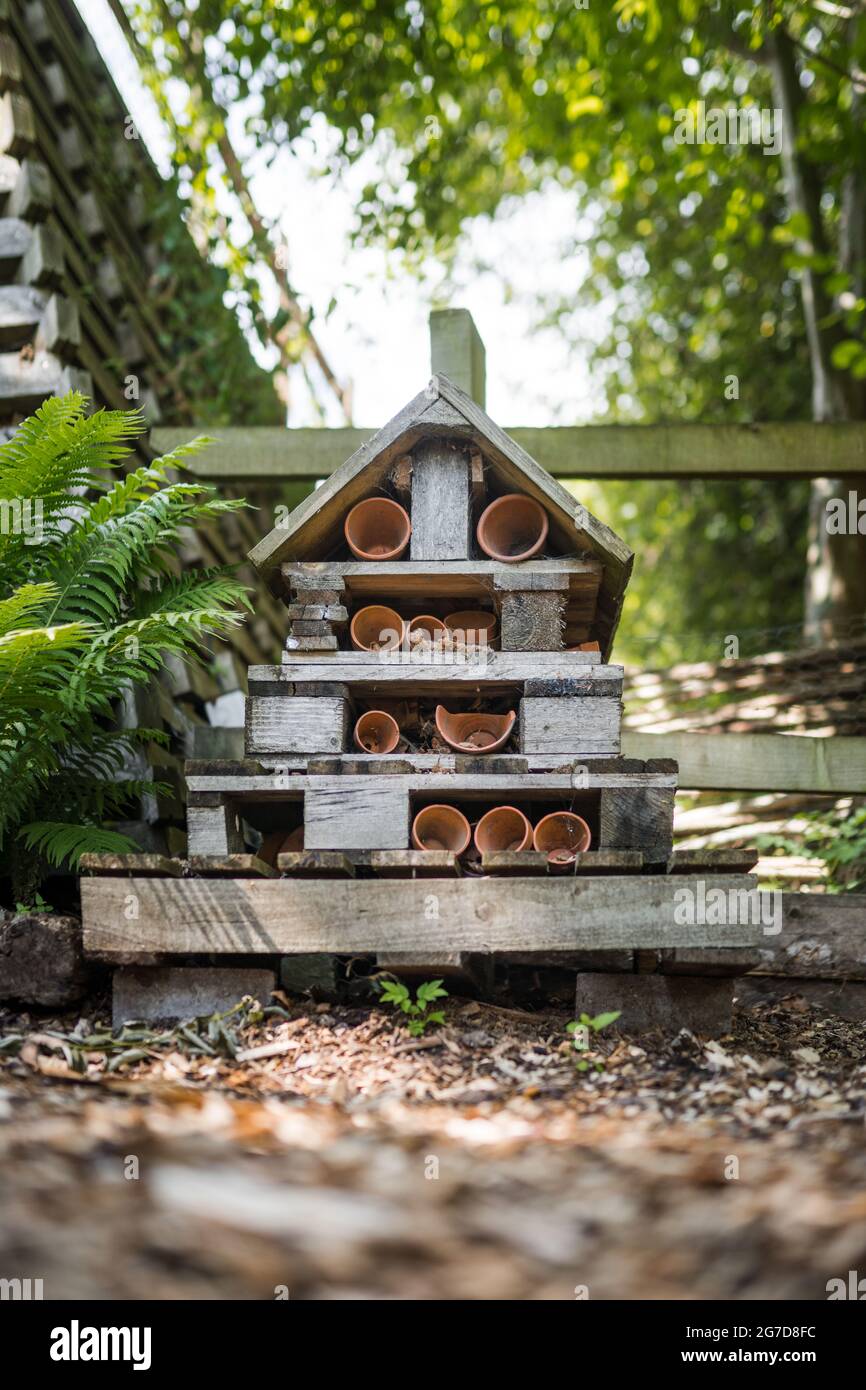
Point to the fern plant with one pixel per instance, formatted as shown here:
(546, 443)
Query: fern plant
(91, 601)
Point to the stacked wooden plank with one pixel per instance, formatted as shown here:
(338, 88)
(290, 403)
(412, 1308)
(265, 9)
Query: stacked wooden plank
(299, 847)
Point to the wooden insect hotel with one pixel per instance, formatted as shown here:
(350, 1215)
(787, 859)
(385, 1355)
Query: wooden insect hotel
(433, 775)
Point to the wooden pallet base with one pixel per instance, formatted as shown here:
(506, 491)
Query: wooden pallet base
(282, 916)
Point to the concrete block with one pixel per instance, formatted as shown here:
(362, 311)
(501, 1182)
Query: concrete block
(663, 1003)
(41, 960)
(172, 993)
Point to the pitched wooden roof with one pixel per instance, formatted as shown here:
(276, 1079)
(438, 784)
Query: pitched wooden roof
(313, 531)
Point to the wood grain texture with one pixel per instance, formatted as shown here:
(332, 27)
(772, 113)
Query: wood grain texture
(532, 621)
(441, 508)
(213, 830)
(575, 725)
(295, 724)
(637, 818)
(771, 449)
(759, 762)
(263, 916)
(344, 813)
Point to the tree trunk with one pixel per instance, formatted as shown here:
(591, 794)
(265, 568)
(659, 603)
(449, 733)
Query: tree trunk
(835, 594)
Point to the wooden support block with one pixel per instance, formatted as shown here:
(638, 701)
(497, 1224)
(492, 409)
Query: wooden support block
(326, 643)
(441, 512)
(310, 972)
(371, 816)
(10, 64)
(310, 627)
(317, 612)
(15, 236)
(302, 580)
(712, 861)
(638, 818)
(571, 725)
(230, 866)
(708, 962)
(415, 863)
(523, 579)
(295, 724)
(315, 863)
(127, 865)
(532, 622)
(337, 690)
(555, 687)
(514, 862)
(214, 830)
(663, 1003)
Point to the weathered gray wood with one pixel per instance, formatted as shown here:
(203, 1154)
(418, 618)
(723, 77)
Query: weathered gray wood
(773, 449)
(129, 865)
(718, 961)
(441, 508)
(327, 642)
(485, 914)
(536, 785)
(17, 125)
(420, 863)
(571, 725)
(532, 622)
(758, 762)
(60, 328)
(213, 830)
(555, 687)
(230, 866)
(315, 863)
(456, 351)
(528, 861)
(469, 579)
(43, 262)
(349, 813)
(713, 861)
(406, 673)
(637, 818)
(823, 937)
(295, 724)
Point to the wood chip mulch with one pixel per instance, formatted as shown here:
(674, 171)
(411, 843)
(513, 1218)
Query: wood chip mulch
(321, 1152)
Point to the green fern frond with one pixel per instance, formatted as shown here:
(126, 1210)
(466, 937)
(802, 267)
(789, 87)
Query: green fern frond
(60, 843)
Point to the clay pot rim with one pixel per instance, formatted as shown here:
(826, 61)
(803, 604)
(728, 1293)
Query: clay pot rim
(383, 714)
(494, 506)
(470, 748)
(571, 815)
(452, 626)
(400, 626)
(442, 806)
(393, 554)
(528, 832)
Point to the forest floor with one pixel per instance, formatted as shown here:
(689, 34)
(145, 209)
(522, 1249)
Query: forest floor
(344, 1159)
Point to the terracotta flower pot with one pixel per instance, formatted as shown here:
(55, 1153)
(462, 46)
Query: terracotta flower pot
(377, 529)
(512, 528)
(584, 647)
(278, 842)
(561, 836)
(441, 827)
(369, 624)
(426, 631)
(476, 732)
(377, 732)
(503, 828)
(467, 626)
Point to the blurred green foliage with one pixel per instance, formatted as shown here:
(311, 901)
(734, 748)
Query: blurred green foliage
(692, 250)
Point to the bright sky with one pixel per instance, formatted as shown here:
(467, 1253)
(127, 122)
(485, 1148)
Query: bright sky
(377, 334)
